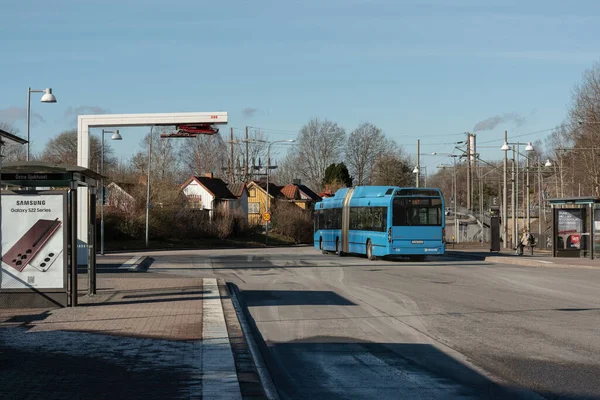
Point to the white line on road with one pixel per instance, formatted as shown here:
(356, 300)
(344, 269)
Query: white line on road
(219, 377)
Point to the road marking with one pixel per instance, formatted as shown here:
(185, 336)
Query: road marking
(250, 258)
(132, 263)
(219, 377)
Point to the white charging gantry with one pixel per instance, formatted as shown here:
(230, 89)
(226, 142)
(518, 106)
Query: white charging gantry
(85, 122)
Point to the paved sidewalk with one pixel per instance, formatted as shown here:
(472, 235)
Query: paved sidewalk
(538, 259)
(147, 336)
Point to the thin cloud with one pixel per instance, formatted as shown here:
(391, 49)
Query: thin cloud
(13, 114)
(249, 112)
(71, 113)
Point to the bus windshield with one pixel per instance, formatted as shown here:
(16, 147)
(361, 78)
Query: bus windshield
(417, 212)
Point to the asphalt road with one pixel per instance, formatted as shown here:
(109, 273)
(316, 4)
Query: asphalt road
(338, 328)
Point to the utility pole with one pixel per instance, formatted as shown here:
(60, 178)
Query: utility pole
(468, 171)
(473, 156)
(231, 164)
(512, 202)
(418, 160)
(246, 175)
(505, 196)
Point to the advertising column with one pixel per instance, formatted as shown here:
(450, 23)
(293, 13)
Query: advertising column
(34, 237)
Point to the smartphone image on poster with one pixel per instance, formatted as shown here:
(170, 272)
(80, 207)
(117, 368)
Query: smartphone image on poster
(30, 244)
(45, 259)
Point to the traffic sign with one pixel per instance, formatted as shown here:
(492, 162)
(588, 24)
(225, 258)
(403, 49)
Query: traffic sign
(266, 216)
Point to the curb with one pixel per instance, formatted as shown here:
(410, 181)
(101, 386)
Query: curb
(254, 382)
(517, 261)
(258, 347)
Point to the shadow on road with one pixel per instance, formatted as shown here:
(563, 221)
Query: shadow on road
(261, 298)
(339, 367)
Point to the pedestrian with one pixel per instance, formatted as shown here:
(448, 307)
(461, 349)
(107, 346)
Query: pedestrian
(526, 240)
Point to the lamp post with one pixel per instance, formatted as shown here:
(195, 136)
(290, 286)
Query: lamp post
(115, 136)
(268, 205)
(548, 163)
(148, 189)
(48, 97)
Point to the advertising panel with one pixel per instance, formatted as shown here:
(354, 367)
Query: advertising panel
(569, 229)
(33, 241)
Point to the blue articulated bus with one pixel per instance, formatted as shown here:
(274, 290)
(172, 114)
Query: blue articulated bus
(381, 221)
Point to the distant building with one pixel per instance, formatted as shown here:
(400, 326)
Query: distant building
(301, 195)
(257, 199)
(210, 194)
(119, 196)
(296, 193)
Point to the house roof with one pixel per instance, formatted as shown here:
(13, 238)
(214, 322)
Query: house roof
(308, 192)
(216, 186)
(127, 187)
(237, 189)
(274, 190)
(292, 192)
(9, 138)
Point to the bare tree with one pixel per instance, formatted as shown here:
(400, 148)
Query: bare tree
(62, 149)
(166, 165)
(320, 144)
(584, 115)
(287, 169)
(205, 154)
(393, 168)
(365, 144)
(559, 144)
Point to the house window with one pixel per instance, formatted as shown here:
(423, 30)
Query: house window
(252, 192)
(194, 201)
(253, 208)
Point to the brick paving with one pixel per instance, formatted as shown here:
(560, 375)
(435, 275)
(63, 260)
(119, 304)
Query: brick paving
(139, 337)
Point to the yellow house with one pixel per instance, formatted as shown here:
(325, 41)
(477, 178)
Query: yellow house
(300, 195)
(257, 200)
(295, 193)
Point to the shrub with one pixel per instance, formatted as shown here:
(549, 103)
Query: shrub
(294, 222)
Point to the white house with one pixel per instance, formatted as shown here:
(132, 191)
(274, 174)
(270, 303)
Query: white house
(208, 193)
(119, 196)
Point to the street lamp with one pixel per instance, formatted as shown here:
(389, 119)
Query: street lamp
(416, 172)
(48, 97)
(548, 163)
(115, 136)
(268, 208)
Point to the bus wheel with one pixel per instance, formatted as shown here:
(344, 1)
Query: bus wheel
(370, 255)
(338, 248)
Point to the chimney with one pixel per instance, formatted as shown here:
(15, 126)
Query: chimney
(326, 188)
(296, 181)
(209, 175)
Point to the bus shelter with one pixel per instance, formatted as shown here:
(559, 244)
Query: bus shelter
(575, 227)
(39, 224)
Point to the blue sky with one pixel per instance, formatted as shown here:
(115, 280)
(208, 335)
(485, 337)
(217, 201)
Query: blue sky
(426, 69)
